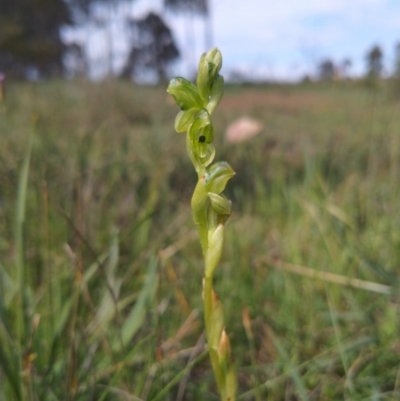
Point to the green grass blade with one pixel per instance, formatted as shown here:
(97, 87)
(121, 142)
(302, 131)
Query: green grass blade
(294, 373)
(7, 360)
(137, 315)
(178, 377)
(19, 241)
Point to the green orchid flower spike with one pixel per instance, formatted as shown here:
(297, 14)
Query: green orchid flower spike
(210, 208)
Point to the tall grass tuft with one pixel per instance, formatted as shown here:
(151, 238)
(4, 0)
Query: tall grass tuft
(310, 258)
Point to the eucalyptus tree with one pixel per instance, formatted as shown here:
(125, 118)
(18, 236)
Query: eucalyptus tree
(30, 37)
(397, 61)
(152, 48)
(196, 6)
(191, 8)
(100, 14)
(374, 60)
(326, 70)
(396, 71)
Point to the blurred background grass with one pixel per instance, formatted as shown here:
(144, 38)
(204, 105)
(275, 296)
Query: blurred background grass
(100, 267)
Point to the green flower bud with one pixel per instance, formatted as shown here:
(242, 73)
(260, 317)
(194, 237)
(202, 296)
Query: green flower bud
(184, 119)
(214, 57)
(203, 81)
(185, 93)
(217, 177)
(217, 92)
(200, 141)
(201, 156)
(220, 203)
(209, 66)
(201, 131)
(214, 219)
(200, 136)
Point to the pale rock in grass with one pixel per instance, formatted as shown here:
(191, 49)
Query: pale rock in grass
(243, 129)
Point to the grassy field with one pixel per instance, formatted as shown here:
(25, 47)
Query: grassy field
(100, 267)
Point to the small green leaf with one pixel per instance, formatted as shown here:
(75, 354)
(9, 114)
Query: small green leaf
(217, 177)
(214, 251)
(216, 322)
(231, 382)
(213, 220)
(185, 93)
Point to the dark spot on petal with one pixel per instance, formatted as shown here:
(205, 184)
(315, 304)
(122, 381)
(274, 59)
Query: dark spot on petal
(202, 139)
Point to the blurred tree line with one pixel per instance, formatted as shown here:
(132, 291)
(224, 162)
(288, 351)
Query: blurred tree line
(328, 70)
(31, 43)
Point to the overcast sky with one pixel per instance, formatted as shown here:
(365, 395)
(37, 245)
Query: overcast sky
(282, 38)
(275, 39)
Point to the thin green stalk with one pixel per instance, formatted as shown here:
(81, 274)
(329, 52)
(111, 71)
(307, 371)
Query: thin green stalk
(208, 294)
